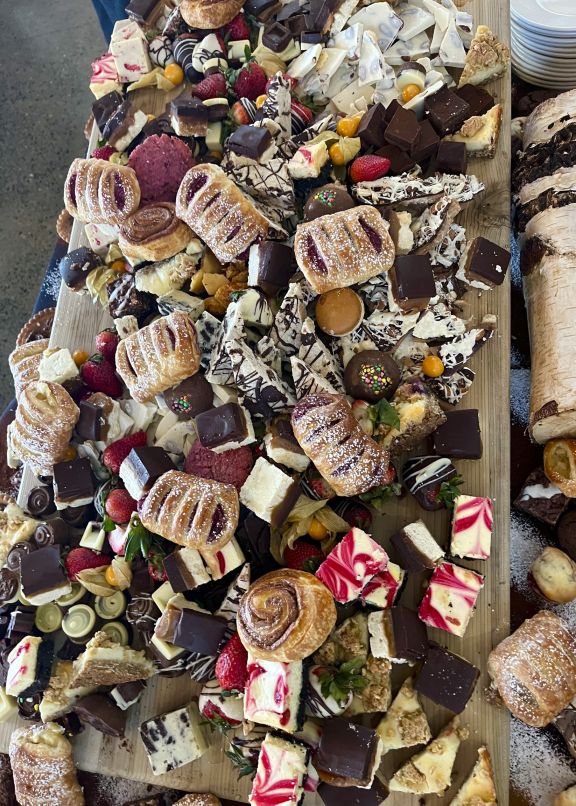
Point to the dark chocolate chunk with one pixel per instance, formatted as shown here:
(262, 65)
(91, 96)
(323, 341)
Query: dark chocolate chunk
(446, 679)
(200, 632)
(14, 558)
(446, 111)
(73, 481)
(347, 750)
(77, 265)
(271, 266)
(353, 796)
(78, 516)
(140, 10)
(190, 398)
(327, 199)
(403, 130)
(373, 126)
(40, 502)
(8, 587)
(71, 724)
(127, 694)
(178, 573)
(223, 424)
(297, 24)
(254, 539)
(191, 109)
(541, 499)
(424, 476)
(90, 421)
(250, 141)
(29, 707)
(277, 37)
(412, 282)
(261, 9)
(41, 572)
(459, 437)
(400, 161)
(565, 723)
(486, 262)
(567, 534)
(103, 108)
(69, 650)
(372, 375)
(312, 38)
(142, 582)
(21, 623)
(101, 712)
(124, 299)
(477, 98)
(145, 464)
(451, 158)
(320, 13)
(408, 633)
(428, 143)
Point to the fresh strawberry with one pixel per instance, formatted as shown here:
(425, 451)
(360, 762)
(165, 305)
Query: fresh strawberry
(217, 718)
(99, 374)
(116, 452)
(250, 82)
(303, 556)
(303, 113)
(79, 559)
(106, 343)
(237, 28)
(117, 539)
(369, 168)
(103, 153)
(213, 86)
(293, 81)
(231, 665)
(120, 505)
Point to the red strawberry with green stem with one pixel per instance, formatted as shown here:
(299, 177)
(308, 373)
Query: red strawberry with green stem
(303, 556)
(80, 559)
(368, 168)
(250, 81)
(231, 665)
(213, 86)
(99, 375)
(120, 505)
(236, 29)
(106, 343)
(116, 452)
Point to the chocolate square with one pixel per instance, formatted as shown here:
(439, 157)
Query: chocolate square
(347, 750)
(353, 795)
(400, 161)
(409, 634)
(451, 158)
(73, 480)
(297, 24)
(190, 109)
(446, 111)
(486, 262)
(276, 37)
(478, 99)
(446, 679)
(427, 145)
(261, 9)
(103, 108)
(391, 110)
(41, 571)
(459, 437)
(250, 141)
(148, 464)
(223, 424)
(271, 266)
(372, 126)
(90, 421)
(200, 632)
(536, 499)
(403, 130)
(412, 282)
(140, 10)
(101, 712)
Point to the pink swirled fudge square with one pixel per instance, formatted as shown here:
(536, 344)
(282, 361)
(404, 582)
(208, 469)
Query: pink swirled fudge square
(451, 598)
(351, 565)
(472, 527)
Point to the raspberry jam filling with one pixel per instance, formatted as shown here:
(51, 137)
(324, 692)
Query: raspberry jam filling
(72, 187)
(197, 183)
(119, 193)
(218, 523)
(234, 232)
(375, 239)
(305, 406)
(315, 257)
(172, 337)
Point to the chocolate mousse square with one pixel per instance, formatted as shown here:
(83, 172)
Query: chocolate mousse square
(200, 632)
(372, 126)
(459, 437)
(541, 499)
(403, 130)
(348, 750)
(412, 282)
(486, 262)
(446, 679)
(446, 111)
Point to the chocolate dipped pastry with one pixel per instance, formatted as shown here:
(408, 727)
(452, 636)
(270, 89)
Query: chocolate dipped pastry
(327, 199)
(424, 477)
(77, 265)
(541, 499)
(372, 375)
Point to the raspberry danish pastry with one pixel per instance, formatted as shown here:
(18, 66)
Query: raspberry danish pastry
(45, 418)
(24, 363)
(329, 434)
(158, 356)
(219, 213)
(344, 248)
(101, 192)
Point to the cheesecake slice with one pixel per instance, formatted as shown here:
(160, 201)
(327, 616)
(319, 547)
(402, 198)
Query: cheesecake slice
(173, 739)
(106, 663)
(279, 780)
(273, 693)
(405, 723)
(479, 788)
(60, 696)
(480, 134)
(486, 60)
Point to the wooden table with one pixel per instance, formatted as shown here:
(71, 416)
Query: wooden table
(76, 323)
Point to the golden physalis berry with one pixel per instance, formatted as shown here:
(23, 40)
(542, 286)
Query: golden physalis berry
(336, 154)
(110, 576)
(410, 91)
(317, 531)
(118, 265)
(432, 366)
(174, 73)
(69, 454)
(347, 127)
(80, 357)
(260, 100)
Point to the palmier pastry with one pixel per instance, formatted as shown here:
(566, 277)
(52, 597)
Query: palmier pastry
(329, 434)
(24, 363)
(212, 14)
(41, 431)
(285, 616)
(192, 512)
(534, 669)
(153, 233)
(158, 356)
(101, 192)
(43, 767)
(343, 249)
(219, 213)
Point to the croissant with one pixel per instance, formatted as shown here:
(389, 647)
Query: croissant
(341, 249)
(190, 511)
(43, 767)
(329, 434)
(153, 233)
(534, 669)
(42, 429)
(219, 213)
(24, 363)
(101, 192)
(158, 356)
(285, 616)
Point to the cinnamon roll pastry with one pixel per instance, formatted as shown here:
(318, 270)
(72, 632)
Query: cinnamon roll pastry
(345, 248)
(220, 213)
(24, 363)
(285, 616)
(153, 233)
(43, 426)
(158, 356)
(192, 512)
(101, 192)
(43, 767)
(534, 669)
(329, 434)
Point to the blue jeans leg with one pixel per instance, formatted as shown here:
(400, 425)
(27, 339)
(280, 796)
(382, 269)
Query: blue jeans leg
(109, 12)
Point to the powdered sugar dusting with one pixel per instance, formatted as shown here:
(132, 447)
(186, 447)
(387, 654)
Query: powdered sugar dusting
(520, 396)
(537, 769)
(105, 791)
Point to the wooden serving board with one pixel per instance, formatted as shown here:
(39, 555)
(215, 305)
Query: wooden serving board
(76, 323)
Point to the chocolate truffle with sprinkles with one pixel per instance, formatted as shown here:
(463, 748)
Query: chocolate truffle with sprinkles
(327, 199)
(190, 397)
(371, 375)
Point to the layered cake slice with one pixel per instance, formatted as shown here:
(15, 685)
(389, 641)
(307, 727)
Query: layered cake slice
(405, 723)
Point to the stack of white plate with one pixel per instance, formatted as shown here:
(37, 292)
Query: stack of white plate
(544, 42)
